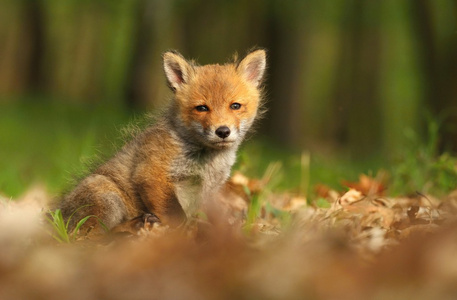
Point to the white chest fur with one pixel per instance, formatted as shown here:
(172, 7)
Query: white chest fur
(197, 181)
(190, 196)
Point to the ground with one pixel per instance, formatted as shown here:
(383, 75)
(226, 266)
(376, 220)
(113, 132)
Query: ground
(361, 244)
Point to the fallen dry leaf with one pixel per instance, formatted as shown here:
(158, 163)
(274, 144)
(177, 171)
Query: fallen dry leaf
(350, 196)
(368, 185)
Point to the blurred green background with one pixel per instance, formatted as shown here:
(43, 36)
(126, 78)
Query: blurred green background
(353, 82)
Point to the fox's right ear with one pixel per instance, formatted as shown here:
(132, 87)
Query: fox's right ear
(177, 70)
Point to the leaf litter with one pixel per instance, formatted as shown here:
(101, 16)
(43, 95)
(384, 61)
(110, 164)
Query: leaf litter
(361, 244)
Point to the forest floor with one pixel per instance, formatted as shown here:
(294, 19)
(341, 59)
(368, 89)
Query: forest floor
(292, 232)
(362, 245)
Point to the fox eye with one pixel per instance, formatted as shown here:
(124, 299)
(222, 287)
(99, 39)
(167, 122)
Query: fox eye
(235, 106)
(202, 108)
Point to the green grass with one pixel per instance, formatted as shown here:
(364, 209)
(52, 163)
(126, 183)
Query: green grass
(301, 171)
(61, 232)
(60, 227)
(43, 141)
(422, 167)
(46, 142)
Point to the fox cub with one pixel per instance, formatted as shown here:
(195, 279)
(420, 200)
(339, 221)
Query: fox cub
(166, 172)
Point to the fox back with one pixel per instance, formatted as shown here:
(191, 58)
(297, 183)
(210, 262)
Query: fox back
(182, 160)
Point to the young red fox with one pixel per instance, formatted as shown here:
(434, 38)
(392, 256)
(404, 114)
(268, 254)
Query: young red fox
(169, 169)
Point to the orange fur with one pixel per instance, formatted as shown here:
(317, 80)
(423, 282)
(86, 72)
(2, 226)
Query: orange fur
(180, 162)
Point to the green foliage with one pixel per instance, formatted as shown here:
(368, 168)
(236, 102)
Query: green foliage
(104, 50)
(258, 200)
(284, 217)
(61, 231)
(301, 171)
(254, 209)
(322, 203)
(44, 141)
(305, 173)
(422, 168)
(60, 227)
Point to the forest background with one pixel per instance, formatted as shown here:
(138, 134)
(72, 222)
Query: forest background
(354, 79)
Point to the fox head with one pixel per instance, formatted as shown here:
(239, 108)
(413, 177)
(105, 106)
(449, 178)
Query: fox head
(215, 105)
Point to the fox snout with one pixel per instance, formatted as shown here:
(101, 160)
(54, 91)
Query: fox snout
(223, 132)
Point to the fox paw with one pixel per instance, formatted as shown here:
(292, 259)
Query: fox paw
(146, 221)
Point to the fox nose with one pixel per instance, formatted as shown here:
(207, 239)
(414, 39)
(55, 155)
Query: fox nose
(223, 132)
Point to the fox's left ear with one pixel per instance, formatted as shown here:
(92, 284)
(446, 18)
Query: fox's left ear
(252, 67)
(177, 70)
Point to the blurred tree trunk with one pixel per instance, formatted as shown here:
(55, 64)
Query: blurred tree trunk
(317, 85)
(400, 79)
(34, 14)
(341, 71)
(356, 98)
(158, 31)
(215, 30)
(121, 26)
(86, 50)
(199, 30)
(288, 43)
(438, 51)
(17, 47)
(71, 58)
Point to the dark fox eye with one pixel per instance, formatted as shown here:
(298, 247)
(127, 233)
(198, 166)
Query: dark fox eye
(235, 106)
(202, 108)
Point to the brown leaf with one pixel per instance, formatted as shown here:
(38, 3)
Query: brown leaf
(350, 197)
(322, 190)
(367, 185)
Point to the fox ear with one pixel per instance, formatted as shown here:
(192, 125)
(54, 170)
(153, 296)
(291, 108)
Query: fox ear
(177, 69)
(252, 67)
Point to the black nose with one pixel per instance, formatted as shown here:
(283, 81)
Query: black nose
(223, 132)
